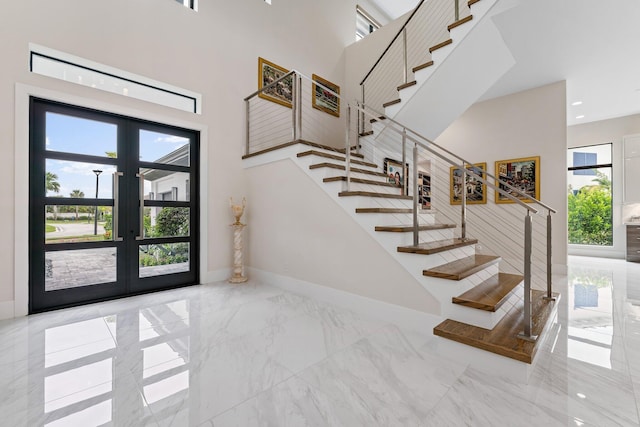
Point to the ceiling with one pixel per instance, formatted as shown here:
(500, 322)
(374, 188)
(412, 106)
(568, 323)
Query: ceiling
(592, 44)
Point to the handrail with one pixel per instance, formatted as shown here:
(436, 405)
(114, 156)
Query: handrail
(362, 107)
(441, 156)
(392, 41)
(272, 84)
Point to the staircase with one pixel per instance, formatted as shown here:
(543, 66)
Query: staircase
(485, 300)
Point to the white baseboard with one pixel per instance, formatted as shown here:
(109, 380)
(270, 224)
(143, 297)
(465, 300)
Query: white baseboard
(401, 316)
(6, 310)
(215, 276)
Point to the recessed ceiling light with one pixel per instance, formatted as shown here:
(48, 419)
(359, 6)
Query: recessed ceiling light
(576, 103)
(581, 116)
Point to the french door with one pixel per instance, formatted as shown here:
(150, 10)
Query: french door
(113, 206)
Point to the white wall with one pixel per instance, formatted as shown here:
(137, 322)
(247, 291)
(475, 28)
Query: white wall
(296, 230)
(524, 124)
(213, 51)
(604, 131)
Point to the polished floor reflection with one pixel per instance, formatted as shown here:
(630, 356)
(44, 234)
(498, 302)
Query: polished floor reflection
(253, 355)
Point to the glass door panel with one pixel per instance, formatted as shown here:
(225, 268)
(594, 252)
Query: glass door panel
(113, 210)
(89, 137)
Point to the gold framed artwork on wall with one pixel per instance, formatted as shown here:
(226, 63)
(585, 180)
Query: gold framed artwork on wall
(523, 174)
(475, 189)
(282, 92)
(323, 99)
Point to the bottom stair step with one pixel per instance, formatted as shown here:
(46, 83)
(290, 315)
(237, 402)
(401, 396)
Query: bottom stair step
(385, 210)
(461, 268)
(503, 339)
(490, 294)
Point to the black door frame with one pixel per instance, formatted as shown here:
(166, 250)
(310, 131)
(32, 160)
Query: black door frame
(128, 283)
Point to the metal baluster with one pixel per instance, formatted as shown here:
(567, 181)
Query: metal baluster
(549, 296)
(405, 190)
(526, 334)
(348, 148)
(248, 135)
(416, 231)
(300, 106)
(294, 106)
(404, 43)
(463, 205)
(457, 9)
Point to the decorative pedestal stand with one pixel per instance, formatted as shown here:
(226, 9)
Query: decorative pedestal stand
(238, 273)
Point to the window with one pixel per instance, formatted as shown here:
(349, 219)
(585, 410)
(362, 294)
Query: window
(365, 23)
(59, 65)
(590, 195)
(188, 3)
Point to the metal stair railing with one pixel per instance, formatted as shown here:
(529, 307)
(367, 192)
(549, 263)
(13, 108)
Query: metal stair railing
(292, 108)
(270, 125)
(393, 140)
(424, 28)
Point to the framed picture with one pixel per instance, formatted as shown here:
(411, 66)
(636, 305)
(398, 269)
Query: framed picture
(476, 190)
(395, 173)
(523, 174)
(424, 190)
(323, 99)
(282, 92)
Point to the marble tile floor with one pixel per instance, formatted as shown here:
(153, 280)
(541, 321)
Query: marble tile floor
(254, 355)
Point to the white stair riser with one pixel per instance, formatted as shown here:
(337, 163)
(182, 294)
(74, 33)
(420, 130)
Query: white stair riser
(312, 160)
(375, 202)
(441, 288)
(370, 220)
(406, 239)
(482, 318)
(358, 186)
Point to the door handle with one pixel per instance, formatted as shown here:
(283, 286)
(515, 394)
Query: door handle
(116, 207)
(140, 235)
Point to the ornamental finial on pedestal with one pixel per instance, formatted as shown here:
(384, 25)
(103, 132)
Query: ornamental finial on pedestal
(237, 210)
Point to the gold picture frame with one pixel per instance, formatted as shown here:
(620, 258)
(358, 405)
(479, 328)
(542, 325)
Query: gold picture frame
(476, 190)
(282, 92)
(324, 100)
(522, 173)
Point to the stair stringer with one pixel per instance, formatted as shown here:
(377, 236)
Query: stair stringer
(462, 72)
(441, 289)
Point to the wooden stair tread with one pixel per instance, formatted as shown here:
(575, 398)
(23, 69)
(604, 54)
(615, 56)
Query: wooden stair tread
(440, 45)
(460, 22)
(360, 181)
(336, 157)
(361, 156)
(503, 338)
(390, 103)
(385, 210)
(490, 294)
(343, 167)
(461, 268)
(406, 85)
(378, 119)
(409, 228)
(372, 194)
(472, 2)
(289, 144)
(429, 248)
(422, 66)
